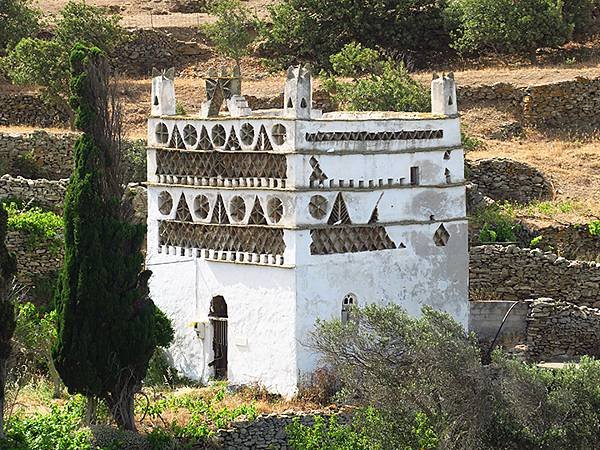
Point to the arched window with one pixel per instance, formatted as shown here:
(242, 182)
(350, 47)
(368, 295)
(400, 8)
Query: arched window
(348, 303)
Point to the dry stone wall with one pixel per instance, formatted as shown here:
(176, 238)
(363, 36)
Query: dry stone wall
(512, 273)
(51, 151)
(268, 431)
(35, 260)
(562, 331)
(29, 109)
(506, 179)
(571, 241)
(49, 194)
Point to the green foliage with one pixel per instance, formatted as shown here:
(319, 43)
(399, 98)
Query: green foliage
(61, 429)
(18, 19)
(40, 227)
(387, 87)
(536, 241)
(180, 109)
(46, 62)
(469, 142)
(498, 223)
(231, 33)
(506, 25)
(160, 372)
(582, 15)
(107, 324)
(312, 30)
(594, 227)
(327, 435)
(134, 158)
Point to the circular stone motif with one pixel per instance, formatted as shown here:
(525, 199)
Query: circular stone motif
(237, 208)
(279, 133)
(247, 134)
(162, 133)
(165, 203)
(317, 207)
(190, 135)
(219, 136)
(201, 206)
(275, 209)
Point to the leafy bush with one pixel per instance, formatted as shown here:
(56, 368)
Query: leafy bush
(312, 30)
(536, 241)
(46, 63)
(582, 15)
(134, 156)
(160, 372)
(231, 33)
(506, 25)
(39, 225)
(327, 435)
(387, 87)
(498, 223)
(594, 227)
(61, 429)
(18, 19)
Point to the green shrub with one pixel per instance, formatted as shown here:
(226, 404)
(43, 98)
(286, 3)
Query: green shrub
(231, 34)
(536, 241)
(469, 142)
(327, 435)
(61, 429)
(18, 19)
(160, 372)
(134, 157)
(506, 25)
(39, 226)
(594, 227)
(312, 30)
(387, 87)
(582, 15)
(498, 223)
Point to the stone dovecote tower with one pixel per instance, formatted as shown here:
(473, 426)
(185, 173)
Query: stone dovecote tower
(261, 222)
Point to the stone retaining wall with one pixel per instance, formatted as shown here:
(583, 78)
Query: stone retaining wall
(29, 109)
(267, 431)
(46, 193)
(35, 260)
(498, 92)
(51, 152)
(571, 241)
(506, 179)
(562, 331)
(512, 273)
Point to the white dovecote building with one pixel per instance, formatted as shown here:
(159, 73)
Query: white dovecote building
(260, 222)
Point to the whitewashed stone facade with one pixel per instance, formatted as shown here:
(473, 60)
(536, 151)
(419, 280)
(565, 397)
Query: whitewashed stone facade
(260, 222)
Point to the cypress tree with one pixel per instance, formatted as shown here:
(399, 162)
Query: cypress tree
(108, 327)
(7, 309)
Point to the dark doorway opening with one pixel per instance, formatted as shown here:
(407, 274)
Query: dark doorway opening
(218, 319)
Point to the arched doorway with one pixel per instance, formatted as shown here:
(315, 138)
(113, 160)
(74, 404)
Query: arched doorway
(218, 320)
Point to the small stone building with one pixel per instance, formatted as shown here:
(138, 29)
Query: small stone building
(261, 222)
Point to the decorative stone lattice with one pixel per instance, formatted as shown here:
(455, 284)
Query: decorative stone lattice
(317, 207)
(257, 215)
(176, 139)
(219, 165)
(165, 203)
(256, 240)
(190, 135)
(327, 241)
(201, 206)
(404, 135)
(441, 236)
(162, 133)
(247, 134)
(263, 143)
(232, 143)
(237, 208)
(339, 213)
(219, 135)
(275, 209)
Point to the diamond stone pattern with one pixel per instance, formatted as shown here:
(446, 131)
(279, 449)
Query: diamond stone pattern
(327, 241)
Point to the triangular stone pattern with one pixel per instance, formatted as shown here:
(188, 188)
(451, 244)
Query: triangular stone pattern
(327, 241)
(339, 213)
(176, 139)
(183, 212)
(374, 216)
(263, 142)
(317, 174)
(219, 212)
(257, 215)
(204, 143)
(233, 143)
